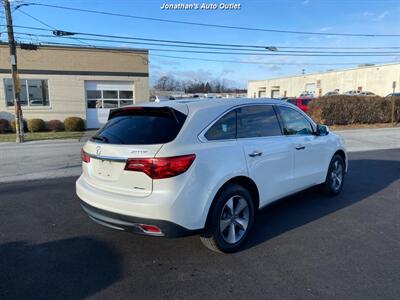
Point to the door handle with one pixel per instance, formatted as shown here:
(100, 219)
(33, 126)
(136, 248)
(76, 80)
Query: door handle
(300, 147)
(255, 153)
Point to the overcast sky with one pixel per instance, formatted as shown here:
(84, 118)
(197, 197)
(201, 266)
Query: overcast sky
(359, 16)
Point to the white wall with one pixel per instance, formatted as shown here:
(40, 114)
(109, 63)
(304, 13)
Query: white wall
(376, 79)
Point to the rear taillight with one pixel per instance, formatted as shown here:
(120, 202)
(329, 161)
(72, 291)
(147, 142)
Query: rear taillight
(85, 157)
(158, 168)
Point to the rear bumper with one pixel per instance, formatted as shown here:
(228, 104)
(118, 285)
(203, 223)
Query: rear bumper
(131, 224)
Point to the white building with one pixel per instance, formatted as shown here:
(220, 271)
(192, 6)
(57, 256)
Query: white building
(378, 79)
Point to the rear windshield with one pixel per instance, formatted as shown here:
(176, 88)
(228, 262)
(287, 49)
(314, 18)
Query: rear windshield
(141, 126)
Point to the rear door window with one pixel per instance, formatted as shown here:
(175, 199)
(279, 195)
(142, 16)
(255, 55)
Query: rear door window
(224, 128)
(141, 126)
(257, 121)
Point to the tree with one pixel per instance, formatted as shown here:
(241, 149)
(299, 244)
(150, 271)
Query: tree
(166, 83)
(207, 88)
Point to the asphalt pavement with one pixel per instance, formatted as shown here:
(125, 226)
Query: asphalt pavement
(61, 158)
(303, 247)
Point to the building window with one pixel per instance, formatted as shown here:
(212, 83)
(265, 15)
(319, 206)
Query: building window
(33, 92)
(109, 98)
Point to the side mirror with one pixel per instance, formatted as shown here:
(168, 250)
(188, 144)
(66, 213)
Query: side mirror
(322, 130)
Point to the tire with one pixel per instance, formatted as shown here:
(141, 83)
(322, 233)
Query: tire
(335, 177)
(229, 221)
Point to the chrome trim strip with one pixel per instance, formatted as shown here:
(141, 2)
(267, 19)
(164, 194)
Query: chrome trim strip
(107, 158)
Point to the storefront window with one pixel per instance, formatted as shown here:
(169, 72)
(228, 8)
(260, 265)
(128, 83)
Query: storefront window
(33, 92)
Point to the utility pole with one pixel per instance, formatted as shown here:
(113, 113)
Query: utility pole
(19, 126)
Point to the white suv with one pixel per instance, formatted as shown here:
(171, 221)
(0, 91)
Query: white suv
(204, 166)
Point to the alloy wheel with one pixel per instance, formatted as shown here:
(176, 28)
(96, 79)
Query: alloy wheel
(234, 219)
(336, 175)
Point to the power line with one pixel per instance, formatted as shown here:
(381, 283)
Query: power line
(247, 53)
(215, 25)
(265, 63)
(209, 47)
(45, 24)
(210, 44)
(44, 43)
(239, 52)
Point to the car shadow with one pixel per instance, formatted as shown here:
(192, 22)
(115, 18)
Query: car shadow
(72, 268)
(365, 178)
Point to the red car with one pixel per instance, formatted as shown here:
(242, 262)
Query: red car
(301, 102)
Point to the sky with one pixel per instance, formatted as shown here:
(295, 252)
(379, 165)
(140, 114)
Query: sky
(325, 16)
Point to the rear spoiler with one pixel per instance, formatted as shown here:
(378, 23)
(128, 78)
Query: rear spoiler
(145, 110)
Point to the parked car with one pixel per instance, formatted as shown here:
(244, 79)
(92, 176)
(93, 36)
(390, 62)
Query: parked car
(333, 93)
(161, 98)
(367, 94)
(393, 95)
(352, 93)
(301, 102)
(204, 167)
(307, 94)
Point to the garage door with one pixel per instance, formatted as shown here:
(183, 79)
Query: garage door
(101, 96)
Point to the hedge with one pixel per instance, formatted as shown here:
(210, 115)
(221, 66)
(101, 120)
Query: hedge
(344, 110)
(55, 125)
(74, 124)
(13, 125)
(4, 126)
(36, 125)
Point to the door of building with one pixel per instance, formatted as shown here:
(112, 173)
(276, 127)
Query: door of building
(101, 96)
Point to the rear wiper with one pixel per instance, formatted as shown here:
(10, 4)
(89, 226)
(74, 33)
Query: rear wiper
(100, 138)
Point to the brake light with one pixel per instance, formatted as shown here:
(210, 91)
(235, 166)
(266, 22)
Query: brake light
(85, 157)
(158, 168)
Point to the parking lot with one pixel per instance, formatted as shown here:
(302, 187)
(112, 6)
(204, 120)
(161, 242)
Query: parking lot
(306, 246)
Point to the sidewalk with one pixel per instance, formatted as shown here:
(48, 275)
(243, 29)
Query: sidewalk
(370, 139)
(61, 158)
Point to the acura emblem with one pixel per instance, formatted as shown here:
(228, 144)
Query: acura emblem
(98, 150)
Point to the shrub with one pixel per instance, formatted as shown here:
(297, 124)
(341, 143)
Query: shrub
(55, 125)
(343, 110)
(4, 126)
(13, 125)
(74, 124)
(36, 125)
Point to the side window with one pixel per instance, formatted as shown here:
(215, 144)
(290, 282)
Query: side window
(224, 128)
(257, 121)
(294, 122)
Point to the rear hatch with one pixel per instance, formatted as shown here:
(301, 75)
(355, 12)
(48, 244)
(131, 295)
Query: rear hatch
(131, 132)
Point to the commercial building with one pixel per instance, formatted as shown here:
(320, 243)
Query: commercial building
(61, 81)
(379, 79)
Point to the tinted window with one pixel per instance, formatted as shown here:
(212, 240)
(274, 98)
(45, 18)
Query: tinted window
(305, 101)
(292, 101)
(141, 126)
(295, 122)
(224, 128)
(257, 121)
